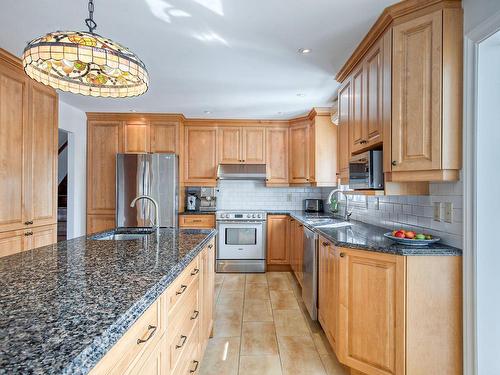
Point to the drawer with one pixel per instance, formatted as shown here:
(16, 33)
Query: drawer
(182, 284)
(189, 364)
(197, 221)
(143, 335)
(183, 326)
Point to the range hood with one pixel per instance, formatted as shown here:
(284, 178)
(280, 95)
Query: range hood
(241, 172)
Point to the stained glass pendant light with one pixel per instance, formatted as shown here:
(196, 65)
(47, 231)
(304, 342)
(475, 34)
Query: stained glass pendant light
(85, 63)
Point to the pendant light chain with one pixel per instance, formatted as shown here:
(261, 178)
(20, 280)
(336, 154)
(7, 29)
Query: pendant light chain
(91, 24)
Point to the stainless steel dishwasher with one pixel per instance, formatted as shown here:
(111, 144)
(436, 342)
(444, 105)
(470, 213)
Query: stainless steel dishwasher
(310, 273)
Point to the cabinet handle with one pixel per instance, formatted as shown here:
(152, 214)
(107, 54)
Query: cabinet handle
(197, 221)
(195, 271)
(28, 222)
(342, 255)
(394, 162)
(210, 246)
(182, 341)
(28, 233)
(326, 244)
(196, 363)
(150, 328)
(300, 225)
(181, 290)
(195, 315)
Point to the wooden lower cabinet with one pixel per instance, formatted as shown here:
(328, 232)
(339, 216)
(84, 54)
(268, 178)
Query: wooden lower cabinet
(197, 221)
(171, 335)
(16, 241)
(296, 248)
(387, 314)
(278, 231)
(99, 223)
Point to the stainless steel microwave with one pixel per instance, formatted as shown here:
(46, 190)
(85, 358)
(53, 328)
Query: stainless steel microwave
(366, 170)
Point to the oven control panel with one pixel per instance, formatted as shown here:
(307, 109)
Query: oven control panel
(240, 215)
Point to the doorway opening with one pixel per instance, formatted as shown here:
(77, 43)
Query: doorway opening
(62, 186)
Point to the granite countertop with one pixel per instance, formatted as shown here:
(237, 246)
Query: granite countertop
(367, 237)
(63, 306)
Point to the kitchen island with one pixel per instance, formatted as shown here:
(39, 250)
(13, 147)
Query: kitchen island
(64, 306)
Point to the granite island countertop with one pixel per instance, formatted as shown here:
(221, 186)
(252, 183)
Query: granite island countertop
(63, 306)
(366, 237)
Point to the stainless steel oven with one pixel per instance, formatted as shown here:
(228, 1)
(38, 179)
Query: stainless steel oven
(242, 241)
(366, 170)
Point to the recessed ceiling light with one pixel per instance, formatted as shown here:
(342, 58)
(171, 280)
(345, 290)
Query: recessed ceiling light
(301, 94)
(133, 110)
(208, 112)
(280, 113)
(305, 51)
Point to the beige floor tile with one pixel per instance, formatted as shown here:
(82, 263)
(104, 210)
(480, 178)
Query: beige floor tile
(333, 366)
(256, 278)
(321, 342)
(219, 278)
(299, 356)
(279, 282)
(230, 298)
(257, 310)
(258, 338)
(290, 323)
(233, 282)
(227, 328)
(260, 365)
(283, 300)
(221, 357)
(256, 291)
(229, 312)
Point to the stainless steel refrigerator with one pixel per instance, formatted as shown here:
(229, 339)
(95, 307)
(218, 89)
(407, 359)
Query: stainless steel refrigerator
(155, 175)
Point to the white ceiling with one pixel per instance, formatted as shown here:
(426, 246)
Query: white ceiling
(235, 58)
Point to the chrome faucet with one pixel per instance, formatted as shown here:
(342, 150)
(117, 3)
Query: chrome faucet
(156, 225)
(347, 213)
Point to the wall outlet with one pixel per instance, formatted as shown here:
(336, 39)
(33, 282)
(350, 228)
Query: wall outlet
(437, 211)
(448, 212)
(289, 197)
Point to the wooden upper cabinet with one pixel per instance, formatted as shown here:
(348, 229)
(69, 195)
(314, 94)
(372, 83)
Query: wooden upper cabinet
(254, 145)
(230, 150)
(323, 137)
(103, 143)
(14, 146)
(277, 156)
(136, 137)
(417, 72)
(345, 108)
(164, 136)
(299, 153)
(371, 312)
(43, 119)
(374, 72)
(278, 232)
(358, 100)
(200, 155)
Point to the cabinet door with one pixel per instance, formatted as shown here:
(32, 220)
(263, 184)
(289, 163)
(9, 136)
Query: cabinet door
(99, 223)
(299, 250)
(12, 242)
(14, 146)
(43, 157)
(230, 146)
(277, 156)
(277, 235)
(345, 107)
(43, 236)
(416, 85)
(152, 362)
(207, 278)
(136, 137)
(328, 290)
(103, 143)
(254, 146)
(299, 153)
(200, 161)
(371, 312)
(163, 137)
(374, 70)
(357, 141)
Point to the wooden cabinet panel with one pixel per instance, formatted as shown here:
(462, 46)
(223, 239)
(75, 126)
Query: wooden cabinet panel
(298, 250)
(43, 119)
(416, 87)
(43, 236)
(254, 145)
(299, 155)
(358, 101)
(277, 156)
(200, 158)
(14, 145)
(207, 285)
(163, 136)
(230, 145)
(371, 312)
(277, 238)
(197, 221)
(103, 143)
(323, 151)
(156, 363)
(345, 107)
(328, 289)
(136, 137)
(12, 242)
(99, 223)
(374, 70)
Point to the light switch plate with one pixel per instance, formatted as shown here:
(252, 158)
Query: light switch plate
(437, 211)
(448, 212)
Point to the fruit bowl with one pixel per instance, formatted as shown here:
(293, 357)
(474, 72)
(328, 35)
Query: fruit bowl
(411, 241)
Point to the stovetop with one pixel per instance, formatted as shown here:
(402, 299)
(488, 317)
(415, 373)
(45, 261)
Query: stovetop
(240, 215)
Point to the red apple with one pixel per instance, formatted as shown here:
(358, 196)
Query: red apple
(400, 234)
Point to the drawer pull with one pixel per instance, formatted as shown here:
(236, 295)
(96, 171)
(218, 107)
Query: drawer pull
(196, 221)
(181, 290)
(195, 271)
(196, 363)
(195, 314)
(210, 246)
(326, 244)
(29, 222)
(150, 328)
(28, 233)
(182, 341)
(342, 255)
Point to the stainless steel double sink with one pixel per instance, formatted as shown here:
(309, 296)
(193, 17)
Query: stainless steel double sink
(125, 234)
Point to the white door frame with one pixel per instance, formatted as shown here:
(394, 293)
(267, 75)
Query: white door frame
(471, 47)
